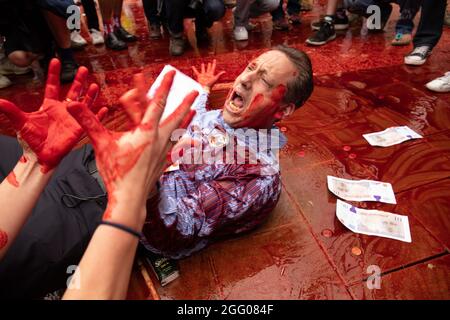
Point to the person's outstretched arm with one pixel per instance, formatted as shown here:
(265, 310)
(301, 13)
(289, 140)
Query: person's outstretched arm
(46, 135)
(130, 163)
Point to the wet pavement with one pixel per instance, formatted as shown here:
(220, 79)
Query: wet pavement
(303, 251)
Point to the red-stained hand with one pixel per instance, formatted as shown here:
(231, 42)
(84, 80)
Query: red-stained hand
(207, 77)
(131, 162)
(50, 133)
(135, 102)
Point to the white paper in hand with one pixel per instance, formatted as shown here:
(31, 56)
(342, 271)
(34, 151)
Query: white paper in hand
(182, 85)
(373, 222)
(361, 190)
(391, 136)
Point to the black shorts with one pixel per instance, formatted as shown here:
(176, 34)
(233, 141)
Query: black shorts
(24, 27)
(58, 7)
(55, 236)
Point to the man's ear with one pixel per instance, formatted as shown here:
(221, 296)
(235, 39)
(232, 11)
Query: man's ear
(288, 110)
(285, 111)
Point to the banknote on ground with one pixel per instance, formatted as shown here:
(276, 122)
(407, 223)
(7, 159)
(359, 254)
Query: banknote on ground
(373, 222)
(361, 190)
(391, 136)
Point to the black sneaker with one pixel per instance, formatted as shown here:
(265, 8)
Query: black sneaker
(155, 31)
(124, 35)
(69, 69)
(323, 35)
(177, 45)
(340, 23)
(113, 42)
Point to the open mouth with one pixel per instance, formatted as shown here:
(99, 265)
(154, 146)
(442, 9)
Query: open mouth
(236, 103)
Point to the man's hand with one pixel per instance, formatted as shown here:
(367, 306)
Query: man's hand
(50, 133)
(207, 78)
(131, 162)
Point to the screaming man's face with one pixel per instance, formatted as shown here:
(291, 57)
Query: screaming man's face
(256, 99)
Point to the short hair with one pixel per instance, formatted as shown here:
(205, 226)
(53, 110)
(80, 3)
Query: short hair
(299, 89)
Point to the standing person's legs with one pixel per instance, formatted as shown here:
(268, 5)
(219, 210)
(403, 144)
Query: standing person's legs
(242, 12)
(431, 23)
(154, 21)
(331, 8)
(325, 28)
(56, 14)
(360, 7)
(93, 23)
(241, 19)
(106, 9)
(112, 41)
(151, 11)
(175, 12)
(117, 12)
(279, 18)
(428, 32)
(260, 7)
(278, 13)
(213, 11)
(405, 25)
(246, 9)
(123, 34)
(61, 34)
(91, 14)
(205, 15)
(293, 7)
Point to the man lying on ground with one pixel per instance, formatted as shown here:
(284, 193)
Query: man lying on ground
(199, 202)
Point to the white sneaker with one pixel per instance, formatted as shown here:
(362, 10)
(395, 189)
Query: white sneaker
(4, 82)
(418, 56)
(441, 84)
(97, 37)
(76, 40)
(240, 33)
(7, 68)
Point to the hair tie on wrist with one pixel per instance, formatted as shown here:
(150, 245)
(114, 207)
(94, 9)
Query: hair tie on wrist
(122, 227)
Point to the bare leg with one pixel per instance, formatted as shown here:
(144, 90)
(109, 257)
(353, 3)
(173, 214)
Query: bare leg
(117, 7)
(332, 7)
(117, 12)
(325, 29)
(22, 58)
(107, 8)
(61, 35)
(123, 34)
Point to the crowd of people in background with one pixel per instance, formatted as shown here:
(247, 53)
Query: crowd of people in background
(34, 31)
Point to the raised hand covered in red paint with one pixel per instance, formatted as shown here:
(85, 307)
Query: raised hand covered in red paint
(207, 77)
(131, 162)
(50, 133)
